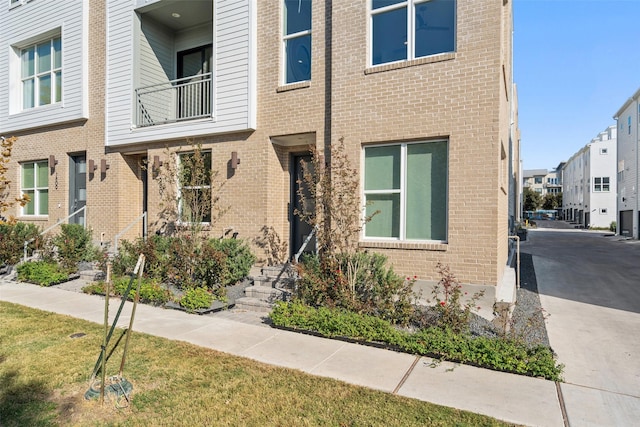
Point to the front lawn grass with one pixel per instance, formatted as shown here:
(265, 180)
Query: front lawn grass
(44, 375)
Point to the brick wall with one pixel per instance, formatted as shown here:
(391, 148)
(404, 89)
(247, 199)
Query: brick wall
(461, 97)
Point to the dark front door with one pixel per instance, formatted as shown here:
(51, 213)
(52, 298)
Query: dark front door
(77, 187)
(625, 225)
(300, 230)
(194, 85)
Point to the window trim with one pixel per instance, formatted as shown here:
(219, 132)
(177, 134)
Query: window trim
(283, 46)
(599, 184)
(180, 187)
(410, 5)
(36, 189)
(401, 239)
(52, 72)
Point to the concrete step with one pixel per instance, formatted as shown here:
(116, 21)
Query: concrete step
(92, 275)
(271, 282)
(267, 294)
(253, 304)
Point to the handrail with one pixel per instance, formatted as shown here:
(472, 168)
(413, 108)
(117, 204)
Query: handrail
(128, 227)
(305, 243)
(187, 98)
(26, 243)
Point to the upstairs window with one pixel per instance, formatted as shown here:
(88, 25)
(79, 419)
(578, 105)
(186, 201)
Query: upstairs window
(601, 184)
(297, 40)
(409, 29)
(35, 184)
(41, 73)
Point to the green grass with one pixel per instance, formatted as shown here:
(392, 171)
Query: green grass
(44, 375)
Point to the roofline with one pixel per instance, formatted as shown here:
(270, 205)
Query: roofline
(626, 104)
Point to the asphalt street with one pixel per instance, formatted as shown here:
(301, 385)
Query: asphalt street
(589, 286)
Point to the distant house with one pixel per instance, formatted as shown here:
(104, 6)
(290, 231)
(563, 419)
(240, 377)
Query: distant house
(628, 202)
(542, 181)
(589, 182)
(421, 91)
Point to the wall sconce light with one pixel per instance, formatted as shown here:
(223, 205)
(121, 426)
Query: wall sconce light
(52, 162)
(92, 167)
(235, 160)
(157, 163)
(624, 199)
(103, 166)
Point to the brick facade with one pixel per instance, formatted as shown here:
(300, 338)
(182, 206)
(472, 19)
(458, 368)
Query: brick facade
(462, 97)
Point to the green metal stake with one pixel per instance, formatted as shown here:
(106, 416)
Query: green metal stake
(133, 313)
(106, 331)
(96, 368)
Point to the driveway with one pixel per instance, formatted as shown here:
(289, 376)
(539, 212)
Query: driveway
(589, 285)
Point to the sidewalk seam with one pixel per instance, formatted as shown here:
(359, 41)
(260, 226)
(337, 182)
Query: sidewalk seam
(317, 365)
(563, 408)
(406, 375)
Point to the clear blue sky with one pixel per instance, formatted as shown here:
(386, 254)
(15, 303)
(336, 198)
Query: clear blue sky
(575, 63)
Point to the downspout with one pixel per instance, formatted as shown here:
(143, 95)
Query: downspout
(517, 239)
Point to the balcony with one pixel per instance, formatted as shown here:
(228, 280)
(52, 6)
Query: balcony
(177, 100)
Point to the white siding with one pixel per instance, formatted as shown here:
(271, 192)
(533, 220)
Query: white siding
(32, 22)
(234, 84)
(629, 158)
(156, 65)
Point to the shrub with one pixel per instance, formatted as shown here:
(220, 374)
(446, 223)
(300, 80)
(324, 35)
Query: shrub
(209, 267)
(12, 238)
(155, 250)
(74, 245)
(151, 291)
(42, 273)
(359, 282)
(452, 313)
(494, 353)
(239, 259)
(613, 226)
(196, 299)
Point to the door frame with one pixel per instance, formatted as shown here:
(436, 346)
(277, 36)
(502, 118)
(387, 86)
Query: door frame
(73, 188)
(298, 229)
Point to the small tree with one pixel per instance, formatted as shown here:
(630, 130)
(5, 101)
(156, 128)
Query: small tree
(532, 200)
(189, 192)
(6, 202)
(549, 202)
(330, 196)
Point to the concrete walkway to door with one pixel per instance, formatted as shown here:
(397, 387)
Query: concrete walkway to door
(589, 285)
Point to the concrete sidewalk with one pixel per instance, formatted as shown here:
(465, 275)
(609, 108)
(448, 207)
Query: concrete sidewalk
(512, 398)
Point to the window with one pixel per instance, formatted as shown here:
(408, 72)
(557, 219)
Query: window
(35, 184)
(629, 124)
(601, 183)
(538, 180)
(604, 151)
(407, 184)
(409, 29)
(41, 73)
(194, 182)
(297, 40)
(603, 211)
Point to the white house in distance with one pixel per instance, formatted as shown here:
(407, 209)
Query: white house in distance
(628, 158)
(589, 184)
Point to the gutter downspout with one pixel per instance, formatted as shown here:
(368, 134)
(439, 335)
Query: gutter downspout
(517, 239)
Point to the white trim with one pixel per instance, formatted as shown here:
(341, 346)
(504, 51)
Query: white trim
(410, 5)
(402, 191)
(252, 120)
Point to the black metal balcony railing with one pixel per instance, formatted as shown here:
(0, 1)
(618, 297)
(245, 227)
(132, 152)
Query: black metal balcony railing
(188, 98)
